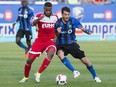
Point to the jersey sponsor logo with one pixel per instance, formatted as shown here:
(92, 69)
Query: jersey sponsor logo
(69, 31)
(25, 15)
(50, 25)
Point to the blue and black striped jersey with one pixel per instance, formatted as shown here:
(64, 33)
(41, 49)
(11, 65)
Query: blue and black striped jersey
(67, 35)
(24, 17)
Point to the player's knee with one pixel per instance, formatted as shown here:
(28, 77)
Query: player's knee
(17, 41)
(29, 61)
(60, 54)
(50, 53)
(86, 61)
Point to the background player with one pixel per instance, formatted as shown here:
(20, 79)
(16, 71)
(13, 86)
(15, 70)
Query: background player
(44, 42)
(66, 42)
(25, 14)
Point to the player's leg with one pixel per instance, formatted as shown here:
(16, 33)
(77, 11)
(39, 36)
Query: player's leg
(60, 52)
(78, 53)
(27, 66)
(19, 36)
(50, 53)
(28, 41)
(28, 38)
(65, 60)
(33, 53)
(90, 68)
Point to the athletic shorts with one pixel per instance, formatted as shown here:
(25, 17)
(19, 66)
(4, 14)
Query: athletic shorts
(21, 33)
(73, 49)
(39, 46)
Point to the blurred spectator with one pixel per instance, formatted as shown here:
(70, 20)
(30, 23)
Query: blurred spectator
(74, 2)
(98, 1)
(102, 1)
(86, 2)
(47, 0)
(62, 1)
(107, 1)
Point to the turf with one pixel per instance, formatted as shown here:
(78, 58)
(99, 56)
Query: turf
(101, 54)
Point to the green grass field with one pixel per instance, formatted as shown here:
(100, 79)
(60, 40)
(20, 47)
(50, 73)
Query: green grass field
(101, 54)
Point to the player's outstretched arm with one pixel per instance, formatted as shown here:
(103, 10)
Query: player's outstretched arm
(87, 31)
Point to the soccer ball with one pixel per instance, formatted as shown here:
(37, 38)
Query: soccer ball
(61, 79)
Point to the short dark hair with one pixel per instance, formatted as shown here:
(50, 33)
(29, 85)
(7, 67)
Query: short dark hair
(67, 9)
(48, 4)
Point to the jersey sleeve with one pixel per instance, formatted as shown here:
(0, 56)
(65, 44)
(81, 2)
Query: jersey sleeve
(37, 16)
(32, 12)
(56, 26)
(77, 23)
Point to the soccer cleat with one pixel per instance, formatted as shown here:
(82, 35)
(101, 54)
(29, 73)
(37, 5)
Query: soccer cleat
(23, 80)
(97, 79)
(37, 77)
(76, 74)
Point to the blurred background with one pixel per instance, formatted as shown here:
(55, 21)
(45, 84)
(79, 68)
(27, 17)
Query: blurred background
(97, 15)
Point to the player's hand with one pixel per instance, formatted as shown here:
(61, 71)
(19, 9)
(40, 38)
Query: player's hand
(13, 25)
(41, 17)
(54, 40)
(90, 32)
(59, 29)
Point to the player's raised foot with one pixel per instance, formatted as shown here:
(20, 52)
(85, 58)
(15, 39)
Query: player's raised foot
(97, 79)
(37, 77)
(76, 74)
(23, 80)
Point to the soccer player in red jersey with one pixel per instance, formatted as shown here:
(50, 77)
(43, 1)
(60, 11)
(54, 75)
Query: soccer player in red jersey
(44, 41)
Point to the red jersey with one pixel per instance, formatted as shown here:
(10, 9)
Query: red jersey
(45, 35)
(46, 26)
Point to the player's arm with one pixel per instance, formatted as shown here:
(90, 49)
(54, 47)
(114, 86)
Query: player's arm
(87, 31)
(37, 19)
(57, 29)
(55, 38)
(15, 22)
(79, 26)
(32, 16)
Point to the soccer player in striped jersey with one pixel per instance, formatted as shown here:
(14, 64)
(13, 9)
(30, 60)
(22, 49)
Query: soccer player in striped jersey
(25, 15)
(65, 29)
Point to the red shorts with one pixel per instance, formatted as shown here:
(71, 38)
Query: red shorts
(41, 45)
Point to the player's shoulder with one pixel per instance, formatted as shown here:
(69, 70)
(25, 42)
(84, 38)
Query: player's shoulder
(58, 21)
(31, 8)
(39, 14)
(19, 8)
(73, 19)
(55, 15)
